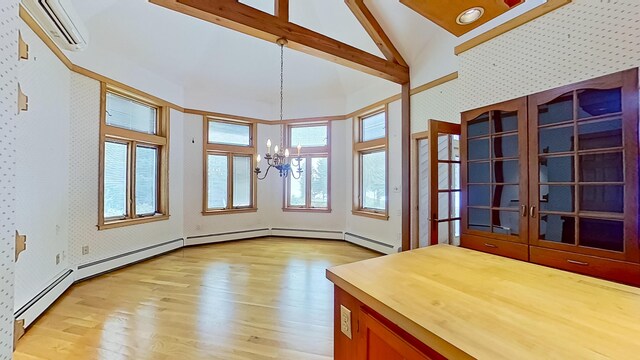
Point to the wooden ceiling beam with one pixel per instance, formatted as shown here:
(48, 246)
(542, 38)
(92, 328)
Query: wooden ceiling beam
(373, 28)
(282, 9)
(240, 17)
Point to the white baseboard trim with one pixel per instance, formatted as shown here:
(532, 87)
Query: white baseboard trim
(226, 236)
(102, 266)
(372, 244)
(41, 302)
(307, 233)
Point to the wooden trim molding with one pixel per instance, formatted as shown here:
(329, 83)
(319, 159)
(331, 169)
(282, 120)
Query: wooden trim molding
(133, 139)
(530, 15)
(230, 151)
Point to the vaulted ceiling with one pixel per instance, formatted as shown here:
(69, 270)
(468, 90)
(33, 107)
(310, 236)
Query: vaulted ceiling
(200, 64)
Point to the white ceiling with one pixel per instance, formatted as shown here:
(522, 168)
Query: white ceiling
(139, 40)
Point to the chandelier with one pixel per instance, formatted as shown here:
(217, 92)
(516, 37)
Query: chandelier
(280, 159)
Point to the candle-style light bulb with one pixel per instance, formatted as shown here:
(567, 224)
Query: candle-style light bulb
(275, 150)
(258, 158)
(268, 146)
(299, 147)
(286, 153)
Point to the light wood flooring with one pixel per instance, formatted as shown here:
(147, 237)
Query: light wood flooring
(255, 299)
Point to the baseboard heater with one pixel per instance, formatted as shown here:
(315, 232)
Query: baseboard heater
(308, 233)
(226, 236)
(118, 261)
(30, 311)
(377, 245)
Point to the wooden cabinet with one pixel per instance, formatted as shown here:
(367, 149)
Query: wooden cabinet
(557, 171)
(374, 337)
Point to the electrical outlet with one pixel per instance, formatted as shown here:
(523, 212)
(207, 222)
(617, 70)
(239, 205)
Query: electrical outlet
(345, 321)
(57, 259)
(85, 250)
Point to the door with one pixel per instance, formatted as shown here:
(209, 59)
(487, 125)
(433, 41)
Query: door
(494, 172)
(444, 182)
(583, 155)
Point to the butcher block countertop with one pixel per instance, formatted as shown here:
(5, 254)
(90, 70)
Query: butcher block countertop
(468, 304)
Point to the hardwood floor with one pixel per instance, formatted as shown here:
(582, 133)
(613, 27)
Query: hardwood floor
(255, 299)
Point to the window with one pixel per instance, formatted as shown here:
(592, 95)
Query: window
(311, 192)
(133, 160)
(229, 179)
(370, 165)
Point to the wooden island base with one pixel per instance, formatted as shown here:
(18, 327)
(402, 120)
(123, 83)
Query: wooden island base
(448, 302)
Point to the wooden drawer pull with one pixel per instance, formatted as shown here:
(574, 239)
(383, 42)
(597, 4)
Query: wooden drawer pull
(490, 245)
(576, 262)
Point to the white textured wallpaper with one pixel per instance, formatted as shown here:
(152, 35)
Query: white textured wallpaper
(579, 41)
(8, 109)
(439, 103)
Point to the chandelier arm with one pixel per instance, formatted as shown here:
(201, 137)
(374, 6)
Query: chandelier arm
(265, 173)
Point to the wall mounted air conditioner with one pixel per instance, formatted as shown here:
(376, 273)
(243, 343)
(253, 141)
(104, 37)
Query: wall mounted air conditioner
(60, 21)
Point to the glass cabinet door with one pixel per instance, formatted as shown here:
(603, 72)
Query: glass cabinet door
(583, 153)
(494, 164)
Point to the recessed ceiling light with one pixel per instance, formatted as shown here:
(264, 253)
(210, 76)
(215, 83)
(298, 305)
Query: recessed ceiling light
(470, 15)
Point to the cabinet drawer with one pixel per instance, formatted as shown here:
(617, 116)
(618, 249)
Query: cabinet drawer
(498, 247)
(614, 270)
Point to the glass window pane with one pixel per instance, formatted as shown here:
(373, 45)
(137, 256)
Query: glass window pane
(507, 171)
(505, 146)
(115, 179)
(455, 228)
(146, 180)
(599, 102)
(298, 187)
(455, 207)
(479, 195)
(478, 126)
(443, 206)
(443, 232)
(555, 140)
(374, 127)
(374, 184)
(558, 110)
(444, 152)
(479, 219)
(506, 222)
(217, 176)
(478, 149)
(478, 172)
(129, 114)
(606, 198)
(242, 176)
(455, 176)
(319, 183)
(602, 167)
(600, 135)
(308, 136)
(506, 196)
(557, 228)
(557, 198)
(229, 134)
(602, 234)
(455, 147)
(504, 121)
(443, 176)
(556, 169)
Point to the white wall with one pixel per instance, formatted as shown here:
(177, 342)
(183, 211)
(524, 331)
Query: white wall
(83, 172)
(385, 231)
(42, 179)
(8, 130)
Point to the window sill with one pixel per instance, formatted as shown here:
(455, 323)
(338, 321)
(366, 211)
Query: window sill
(229, 211)
(371, 214)
(306, 210)
(129, 222)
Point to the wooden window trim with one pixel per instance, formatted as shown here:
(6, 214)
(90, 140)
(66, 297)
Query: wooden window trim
(159, 140)
(230, 151)
(308, 153)
(363, 147)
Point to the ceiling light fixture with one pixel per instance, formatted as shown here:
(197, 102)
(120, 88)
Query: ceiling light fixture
(470, 15)
(280, 157)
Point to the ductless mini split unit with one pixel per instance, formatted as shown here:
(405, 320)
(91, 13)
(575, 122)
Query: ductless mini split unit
(60, 21)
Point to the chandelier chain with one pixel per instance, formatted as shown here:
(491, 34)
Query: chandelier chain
(281, 94)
